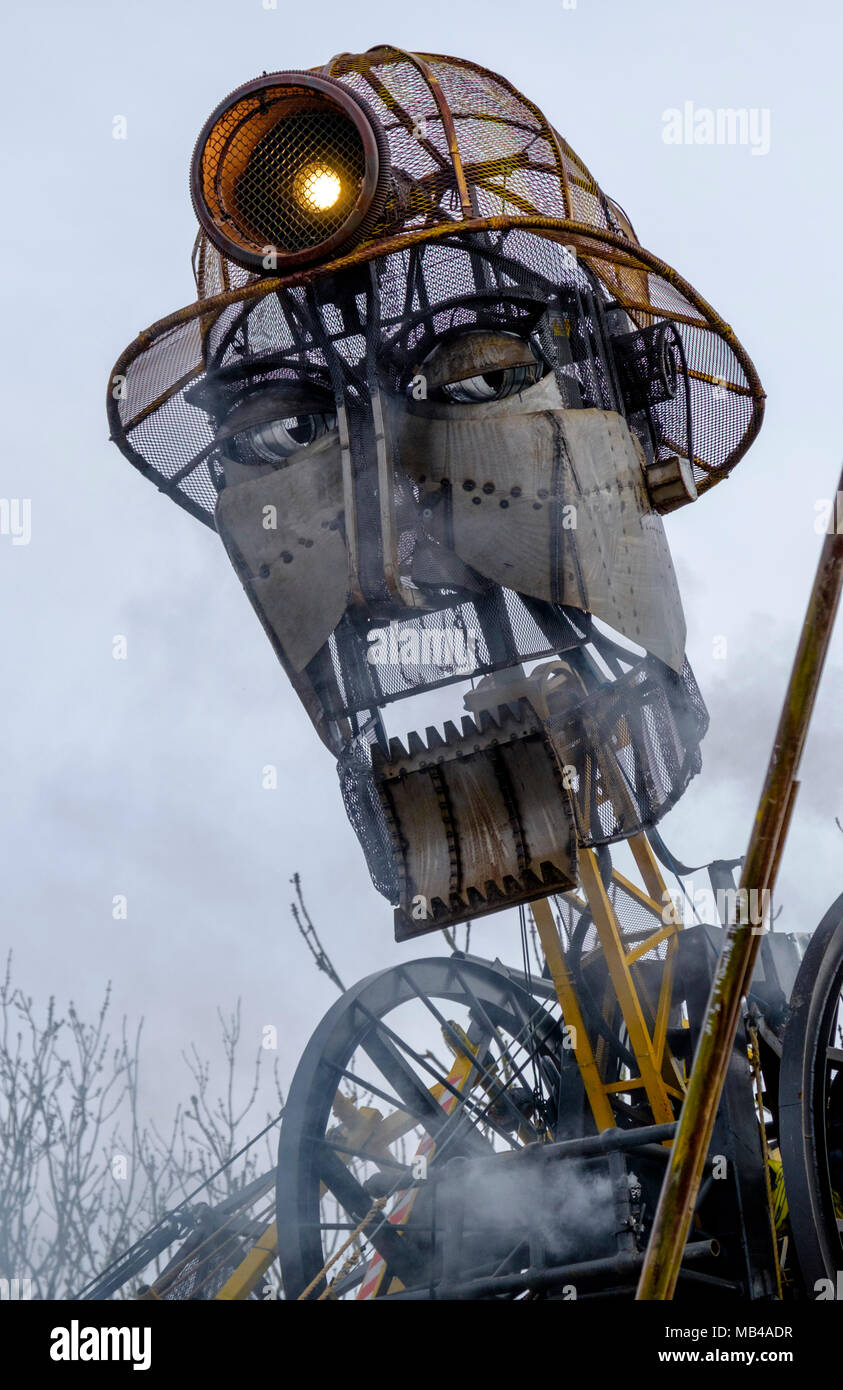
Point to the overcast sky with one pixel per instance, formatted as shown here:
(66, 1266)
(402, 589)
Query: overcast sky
(143, 777)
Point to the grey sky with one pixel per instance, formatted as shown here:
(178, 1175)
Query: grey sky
(143, 776)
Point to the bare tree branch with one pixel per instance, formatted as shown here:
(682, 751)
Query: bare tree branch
(82, 1172)
(301, 917)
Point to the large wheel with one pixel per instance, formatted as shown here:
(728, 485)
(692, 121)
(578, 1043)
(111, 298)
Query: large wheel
(811, 1104)
(364, 1120)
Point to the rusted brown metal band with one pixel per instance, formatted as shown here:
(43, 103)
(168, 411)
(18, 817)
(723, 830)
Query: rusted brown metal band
(578, 233)
(553, 138)
(468, 211)
(737, 961)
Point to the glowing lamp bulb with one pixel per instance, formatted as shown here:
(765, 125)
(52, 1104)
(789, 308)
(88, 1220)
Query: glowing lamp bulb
(316, 187)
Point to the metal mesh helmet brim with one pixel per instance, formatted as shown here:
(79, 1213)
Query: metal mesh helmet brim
(469, 155)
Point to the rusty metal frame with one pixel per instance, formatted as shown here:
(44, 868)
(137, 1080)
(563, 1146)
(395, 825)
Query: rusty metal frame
(581, 235)
(742, 942)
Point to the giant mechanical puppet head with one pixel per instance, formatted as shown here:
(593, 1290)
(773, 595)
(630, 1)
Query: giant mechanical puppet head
(435, 397)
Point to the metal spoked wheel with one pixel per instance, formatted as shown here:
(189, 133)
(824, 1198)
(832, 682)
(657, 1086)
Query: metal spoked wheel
(811, 1104)
(413, 1071)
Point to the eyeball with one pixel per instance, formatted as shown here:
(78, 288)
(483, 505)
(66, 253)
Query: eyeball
(492, 386)
(275, 440)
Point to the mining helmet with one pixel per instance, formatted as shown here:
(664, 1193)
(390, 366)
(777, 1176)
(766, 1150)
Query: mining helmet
(297, 176)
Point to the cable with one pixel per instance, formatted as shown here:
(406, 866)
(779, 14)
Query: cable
(674, 865)
(680, 870)
(173, 1215)
(689, 900)
(525, 954)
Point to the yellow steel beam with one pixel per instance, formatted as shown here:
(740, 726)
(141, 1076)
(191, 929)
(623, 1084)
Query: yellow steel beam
(252, 1269)
(634, 1083)
(657, 899)
(649, 943)
(648, 867)
(640, 1041)
(645, 899)
(755, 1062)
(665, 996)
(658, 1015)
(565, 993)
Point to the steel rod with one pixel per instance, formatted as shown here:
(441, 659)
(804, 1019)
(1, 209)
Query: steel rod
(645, 1140)
(741, 944)
(556, 1274)
(609, 1141)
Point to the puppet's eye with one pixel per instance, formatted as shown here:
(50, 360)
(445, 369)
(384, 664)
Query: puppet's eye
(479, 365)
(492, 386)
(274, 440)
(270, 424)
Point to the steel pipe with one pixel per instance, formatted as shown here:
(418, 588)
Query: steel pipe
(741, 944)
(584, 1271)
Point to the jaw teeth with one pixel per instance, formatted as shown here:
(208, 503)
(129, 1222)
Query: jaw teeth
(477, 818)
(547, 878)
(452, 733)
(453, 738)
(397, 751)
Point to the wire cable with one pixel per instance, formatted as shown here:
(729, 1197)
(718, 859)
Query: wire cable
(176, 1214)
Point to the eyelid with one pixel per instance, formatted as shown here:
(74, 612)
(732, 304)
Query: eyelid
(276, 403)
(473, 354)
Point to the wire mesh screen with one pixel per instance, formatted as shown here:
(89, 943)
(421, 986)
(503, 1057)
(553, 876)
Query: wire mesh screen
(636, 922)
(439, 649)
(365, 811)
(634, 747)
